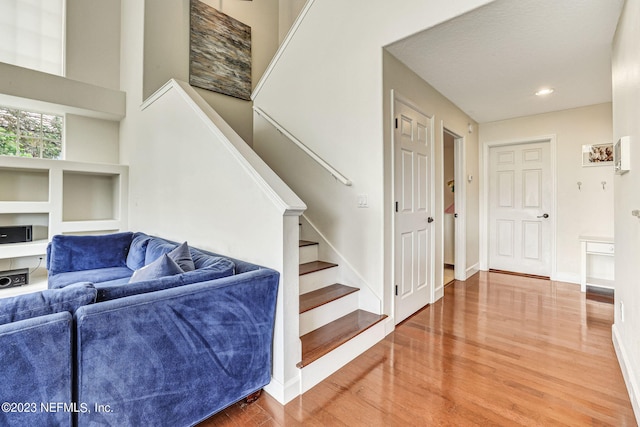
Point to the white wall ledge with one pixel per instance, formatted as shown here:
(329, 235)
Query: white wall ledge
(25, 88)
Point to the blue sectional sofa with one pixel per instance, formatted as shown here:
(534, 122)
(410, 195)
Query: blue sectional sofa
(37, 355)
(170, 350)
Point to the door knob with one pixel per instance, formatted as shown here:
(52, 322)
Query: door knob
(543, 216)
(430, 220)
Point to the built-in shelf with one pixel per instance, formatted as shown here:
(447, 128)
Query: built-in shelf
(596, 249)
(18, 250)
(60, 197)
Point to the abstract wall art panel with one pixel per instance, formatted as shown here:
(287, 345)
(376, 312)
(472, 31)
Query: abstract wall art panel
(220, 52)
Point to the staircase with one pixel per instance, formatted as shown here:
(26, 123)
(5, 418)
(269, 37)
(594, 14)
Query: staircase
(333, 329)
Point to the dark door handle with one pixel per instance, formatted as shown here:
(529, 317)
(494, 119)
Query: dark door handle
(430, 220)
(455, 215)
(543, 216)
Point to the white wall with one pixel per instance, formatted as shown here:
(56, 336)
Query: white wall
(626, 113)
(326, 90)
(288, 12)
(166, 50)
(584, 211)
(92, 53)
(399, 78)
(91, 140)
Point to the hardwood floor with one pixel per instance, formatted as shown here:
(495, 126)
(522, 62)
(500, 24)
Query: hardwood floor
(497, 350)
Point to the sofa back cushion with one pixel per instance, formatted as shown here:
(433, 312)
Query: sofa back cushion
(137, 251)
(156, 248)
(45, 302)
(74, 253)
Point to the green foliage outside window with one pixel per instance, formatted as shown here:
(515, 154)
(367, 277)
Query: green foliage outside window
(30, 134)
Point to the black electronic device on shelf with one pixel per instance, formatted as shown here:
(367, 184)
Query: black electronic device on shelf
(16, 234)
(11, 278)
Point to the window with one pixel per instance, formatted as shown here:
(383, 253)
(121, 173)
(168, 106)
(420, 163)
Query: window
(32, 34)
(30, 134)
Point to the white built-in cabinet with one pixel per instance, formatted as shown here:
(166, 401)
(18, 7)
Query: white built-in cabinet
(60, 197)
(601, 250)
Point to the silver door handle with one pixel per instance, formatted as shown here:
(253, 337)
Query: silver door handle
(543, 216)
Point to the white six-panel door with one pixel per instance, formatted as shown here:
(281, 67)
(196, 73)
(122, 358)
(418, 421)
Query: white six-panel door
(413, 228)
(520, 201)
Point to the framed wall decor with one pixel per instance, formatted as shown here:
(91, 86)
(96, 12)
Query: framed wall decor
(597, 154)
(219, 52)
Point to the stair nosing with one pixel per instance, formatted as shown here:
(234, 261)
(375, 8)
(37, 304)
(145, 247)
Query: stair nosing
(340, 340)
(348, 290)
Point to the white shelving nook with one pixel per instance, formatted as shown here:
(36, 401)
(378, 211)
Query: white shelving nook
(60, 197)
(602, 248)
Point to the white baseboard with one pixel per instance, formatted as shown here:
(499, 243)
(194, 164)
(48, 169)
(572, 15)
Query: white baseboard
(472, 270)
(566, 277)
(283, 393)
(630, 376)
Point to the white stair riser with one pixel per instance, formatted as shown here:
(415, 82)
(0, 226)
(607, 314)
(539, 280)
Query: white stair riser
(320, 369)
(308, 253)
(320, 316)
(318, 279)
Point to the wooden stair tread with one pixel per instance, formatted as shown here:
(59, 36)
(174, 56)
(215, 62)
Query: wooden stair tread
(302, 243)
(325, 295)
(312, 266)
(321, 341)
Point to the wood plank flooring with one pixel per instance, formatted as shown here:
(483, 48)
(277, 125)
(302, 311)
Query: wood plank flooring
(497, 350)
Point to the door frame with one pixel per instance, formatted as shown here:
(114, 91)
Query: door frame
(484, 196)
(460, 200)
(397, 97)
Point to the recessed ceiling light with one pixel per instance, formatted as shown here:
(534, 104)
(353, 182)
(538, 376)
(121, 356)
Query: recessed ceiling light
(545, 91)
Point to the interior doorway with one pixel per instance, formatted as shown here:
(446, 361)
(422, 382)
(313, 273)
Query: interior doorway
(449, 219)
(454, 198)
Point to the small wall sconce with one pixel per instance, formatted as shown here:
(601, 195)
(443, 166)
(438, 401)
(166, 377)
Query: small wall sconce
(579, 185)
(603, 184)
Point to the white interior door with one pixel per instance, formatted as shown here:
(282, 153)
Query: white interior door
(520, 201)
(413, 222)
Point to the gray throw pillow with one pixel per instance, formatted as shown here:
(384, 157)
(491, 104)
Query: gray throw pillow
(163, 266)
(182, 257)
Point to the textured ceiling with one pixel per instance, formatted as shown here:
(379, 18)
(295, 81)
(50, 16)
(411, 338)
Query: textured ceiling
(491, 61)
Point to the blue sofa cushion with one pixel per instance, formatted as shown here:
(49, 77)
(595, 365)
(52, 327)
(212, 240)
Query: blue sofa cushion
(70, 252)
(97, 275)
(137, 251)
(156, 248)
(45, 302)
(182, 257)
(162, 267)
